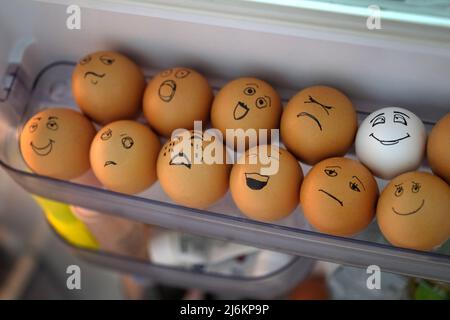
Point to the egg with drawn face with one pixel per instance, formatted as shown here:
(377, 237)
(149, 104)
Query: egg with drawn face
(318, 122)
(413, 211)
(192, 169)
(108, 86)
(55, 142)
(265, 183)
(438, 148)
(246, 103)
(175, 98)
(391, 141)
(123, 156)
(339, 196)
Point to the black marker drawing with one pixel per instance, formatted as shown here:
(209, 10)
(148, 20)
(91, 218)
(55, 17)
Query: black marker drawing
(240, 110)
(127, 142)
(249, 91)
(307, 114)
(389, 142)
(256, 181)
(45, 150)
(85, 60)
(409, 213)
(110, 163)
(166, 73)
(95, 75)
(167, 90)
(333, 197)
(107, 60)
(183, 73)
(106, 135)
(324, 107)
(263, 102)
(180, 159)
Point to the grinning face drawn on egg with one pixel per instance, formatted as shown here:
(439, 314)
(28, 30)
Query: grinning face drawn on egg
(318, 122)
(175, 98)
(55, 143)
(338, 196)
(391, 141)
(123, 156)
(412, 211)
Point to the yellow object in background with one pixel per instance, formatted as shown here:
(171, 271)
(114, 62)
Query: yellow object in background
(61, 218)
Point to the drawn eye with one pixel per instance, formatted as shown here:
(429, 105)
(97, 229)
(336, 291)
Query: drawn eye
(249, 91)
(166, 73)
(415, 187)
(261, 102)
(33, 127)
(354, 186)
(106, 135)
(331, 172)
(180, 74)
(398, 191)
(127, 142)
(52, 125)
(107, 60)
(85, 60)
(379, 120)
(398, 118)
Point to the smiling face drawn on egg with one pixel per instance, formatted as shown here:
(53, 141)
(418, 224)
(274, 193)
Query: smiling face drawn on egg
(51, 124)
(318, 122)
(391, 141)
(415, 188)
(168, 87)
(123, 140)
(339, 196)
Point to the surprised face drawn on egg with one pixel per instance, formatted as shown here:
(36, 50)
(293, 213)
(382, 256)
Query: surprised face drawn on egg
(168, 87)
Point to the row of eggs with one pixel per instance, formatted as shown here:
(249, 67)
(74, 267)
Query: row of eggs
(200, 185)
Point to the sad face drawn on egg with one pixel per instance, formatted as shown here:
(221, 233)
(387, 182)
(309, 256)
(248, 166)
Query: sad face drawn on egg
(415, 188)
(177, 153)
(312, 100)
(126, 142)
(243, 107)
(168, 87)
(94, 76)
(51, 125)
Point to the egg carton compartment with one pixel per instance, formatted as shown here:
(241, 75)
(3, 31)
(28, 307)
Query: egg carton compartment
(292, 235)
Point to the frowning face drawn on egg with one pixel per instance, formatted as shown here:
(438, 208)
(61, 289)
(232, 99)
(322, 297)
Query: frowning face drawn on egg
(44, 130)
(391, 141)
(120, 142)
(249, 100)
(351, 182)
(95, 72)
(313, 117)
(168, 87)
(180, 154)
(397, 117)
(413, 208)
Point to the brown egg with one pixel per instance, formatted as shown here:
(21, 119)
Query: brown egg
(175, 98)
(246, 103)
(55, 142)
(107, 86)
(339, 196)
(190, 173)
(318, 122)
(123, 156)
(438, 148)
(269, 194)
(413, 211)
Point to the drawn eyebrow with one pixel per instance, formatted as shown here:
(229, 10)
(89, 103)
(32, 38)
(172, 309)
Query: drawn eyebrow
(37, 118)
(123, 134)
(252, 84)
(380, 114)
(51, 118)
(398, 185)
(333, 167)
(402, 113)
(360, 182)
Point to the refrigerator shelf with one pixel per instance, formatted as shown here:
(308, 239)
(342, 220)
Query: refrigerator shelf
(291, 235)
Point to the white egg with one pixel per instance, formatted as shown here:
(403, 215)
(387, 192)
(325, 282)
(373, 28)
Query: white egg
(391, 141)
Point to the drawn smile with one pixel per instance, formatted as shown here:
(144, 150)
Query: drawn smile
(180, 159)
(240, 110)
(331, 196)
(256, 181)
(110, 163)
(389, 142)
(45, 150)
(409, 213)
(96, 75)
(167, 90)
(306, 114)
